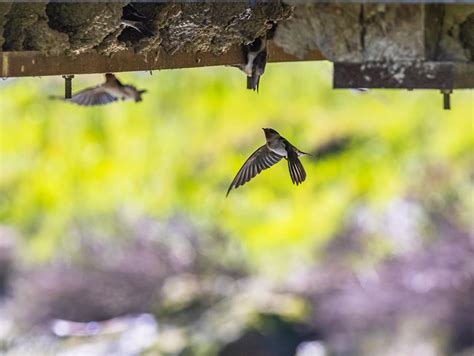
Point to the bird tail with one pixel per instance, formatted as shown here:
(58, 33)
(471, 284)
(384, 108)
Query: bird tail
(301, 153)
(297, 172)
(253, 82)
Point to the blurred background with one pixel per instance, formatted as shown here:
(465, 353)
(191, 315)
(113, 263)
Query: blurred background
(116, 237)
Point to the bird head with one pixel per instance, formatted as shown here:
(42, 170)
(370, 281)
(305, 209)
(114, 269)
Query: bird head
(270, 133)
(257, 46)
(109, 77)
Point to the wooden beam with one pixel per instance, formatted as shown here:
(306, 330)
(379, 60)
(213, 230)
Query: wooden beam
(29, 63)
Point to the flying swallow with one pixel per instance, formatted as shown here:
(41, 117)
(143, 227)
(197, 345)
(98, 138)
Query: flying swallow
(276, 148)
(106, 93)
(131, 17)
(255, 55)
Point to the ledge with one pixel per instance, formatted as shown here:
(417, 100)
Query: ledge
(26, 64)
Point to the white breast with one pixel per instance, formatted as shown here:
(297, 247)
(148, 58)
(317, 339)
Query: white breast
(118, 93)
(279, 148)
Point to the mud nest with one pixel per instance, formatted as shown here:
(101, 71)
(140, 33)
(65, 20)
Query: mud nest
(74, 28)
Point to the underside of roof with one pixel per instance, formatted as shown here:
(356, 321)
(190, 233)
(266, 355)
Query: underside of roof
(373, 44)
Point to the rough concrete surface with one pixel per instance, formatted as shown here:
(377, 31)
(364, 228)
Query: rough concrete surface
(467, 34)
(393, 32)
(334, 29)
(457, 34)
(380, 32)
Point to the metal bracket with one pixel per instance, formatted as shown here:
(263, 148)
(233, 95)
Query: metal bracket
(68, 86)
(405, 75)
(446, 99)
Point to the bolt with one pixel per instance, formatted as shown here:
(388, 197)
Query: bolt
(446, 99)
(68, 86)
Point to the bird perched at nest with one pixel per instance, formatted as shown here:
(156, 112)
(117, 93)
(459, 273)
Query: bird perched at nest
(255, 55)
(131, 17)
(108, 92)
(276, 148)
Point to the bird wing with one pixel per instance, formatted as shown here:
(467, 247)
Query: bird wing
(132, 14)
(133, 18)
(261, 159)
(93, 96)
(260, 62)
(138, 26)
(297, 172)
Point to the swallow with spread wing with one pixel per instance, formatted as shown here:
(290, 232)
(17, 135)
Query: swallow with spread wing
(106, 93)
(276, 148)
(255, 55)
(131, 17)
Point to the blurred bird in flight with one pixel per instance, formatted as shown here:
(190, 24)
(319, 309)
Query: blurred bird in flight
(255, 55)
(276, 148)
(106, 93)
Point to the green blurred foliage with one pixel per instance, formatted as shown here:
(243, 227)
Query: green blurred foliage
(178, 150)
